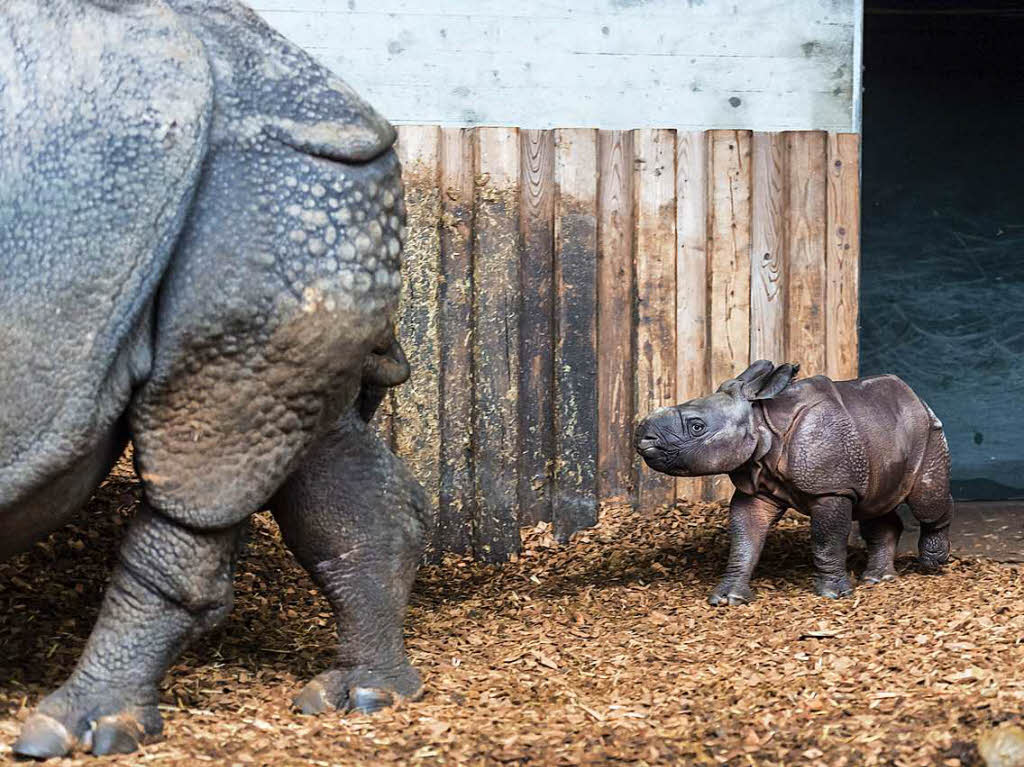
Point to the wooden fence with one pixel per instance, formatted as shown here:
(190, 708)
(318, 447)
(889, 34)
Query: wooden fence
(561, 284)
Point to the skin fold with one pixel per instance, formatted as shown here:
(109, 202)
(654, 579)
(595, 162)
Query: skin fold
(836, 451)
(200, 241)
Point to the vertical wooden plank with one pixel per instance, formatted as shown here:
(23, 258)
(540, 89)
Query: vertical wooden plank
(575, 489)
(416, 425)
(843, 242)
(457, 499)
(655, 188)
(692, 379)
(729, 262)
(537, 153)
(496, 308)
(805, 248)
(616, 475)
(767, 257)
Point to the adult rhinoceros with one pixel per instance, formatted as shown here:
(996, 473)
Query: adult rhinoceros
(200, 231)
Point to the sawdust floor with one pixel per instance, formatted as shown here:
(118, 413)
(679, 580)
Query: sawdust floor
(601, 652)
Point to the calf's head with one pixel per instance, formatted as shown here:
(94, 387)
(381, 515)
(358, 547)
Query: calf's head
(715, 434)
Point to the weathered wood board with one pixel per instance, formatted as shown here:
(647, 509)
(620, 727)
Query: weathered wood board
(728, 262)
(655, 213)
(455, 312)
(842, 241)
(536, 378)
(805, 248)
(575, 332)
(615, 303)
(416, 423)
(693, 371)
(496, 309)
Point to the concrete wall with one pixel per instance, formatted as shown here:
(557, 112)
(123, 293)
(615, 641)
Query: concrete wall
(687, 64)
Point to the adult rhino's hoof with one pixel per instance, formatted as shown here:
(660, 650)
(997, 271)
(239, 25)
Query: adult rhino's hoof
(114, 735)
(367, 700)
(730, 594)
(873, 577)
(833, 588)
(362, 690)
(43, 737)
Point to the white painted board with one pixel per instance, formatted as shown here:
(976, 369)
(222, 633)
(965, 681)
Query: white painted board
(614, 64)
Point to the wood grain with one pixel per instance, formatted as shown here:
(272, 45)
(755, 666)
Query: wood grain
(729, 262)
(416, 424)
(616, 476)
(805, 248)
(692, 362)
(457, 498)
(496, 311)
(537, 152)
(843, 243)
(575, 412)
(655, 263)
(767, 249)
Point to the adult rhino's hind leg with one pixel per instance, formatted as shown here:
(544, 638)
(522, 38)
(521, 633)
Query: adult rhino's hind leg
(357, 521)
(932, 503)
(172, 584)
(882, 536)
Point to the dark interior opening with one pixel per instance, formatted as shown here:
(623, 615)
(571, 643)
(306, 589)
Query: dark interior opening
(942, 302)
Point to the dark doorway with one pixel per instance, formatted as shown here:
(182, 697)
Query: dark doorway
(942, 301)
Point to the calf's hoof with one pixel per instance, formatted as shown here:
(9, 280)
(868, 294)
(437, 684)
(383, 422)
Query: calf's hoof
(730, 594)
(833, 588)
(361, 689)
(933, 551)
(873, 577)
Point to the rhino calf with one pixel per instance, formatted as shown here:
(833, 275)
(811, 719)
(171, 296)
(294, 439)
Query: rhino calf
(834, 450)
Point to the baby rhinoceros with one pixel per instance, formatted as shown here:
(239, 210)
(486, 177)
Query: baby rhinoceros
(834, 450)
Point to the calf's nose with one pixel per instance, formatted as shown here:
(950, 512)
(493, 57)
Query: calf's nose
(647, 443)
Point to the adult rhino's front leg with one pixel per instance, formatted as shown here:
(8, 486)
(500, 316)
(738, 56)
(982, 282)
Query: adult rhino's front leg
(172, 584)
(357, 520)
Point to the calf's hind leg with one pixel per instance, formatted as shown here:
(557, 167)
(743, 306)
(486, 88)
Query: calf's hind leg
(882, 535)
(932, 503)
(831, 520)
(357, 521)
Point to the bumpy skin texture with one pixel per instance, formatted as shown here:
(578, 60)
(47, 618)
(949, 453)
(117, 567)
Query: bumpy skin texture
(836, 450)
(200, 235)
(95, 177)
(264, 324)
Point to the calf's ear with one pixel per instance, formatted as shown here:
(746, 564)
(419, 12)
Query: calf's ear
(772, 384)
(756, 372)
(751, 377)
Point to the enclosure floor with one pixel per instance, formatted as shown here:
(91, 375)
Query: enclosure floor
(600, 652)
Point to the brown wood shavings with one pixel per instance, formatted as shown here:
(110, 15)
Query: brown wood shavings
(603, 651)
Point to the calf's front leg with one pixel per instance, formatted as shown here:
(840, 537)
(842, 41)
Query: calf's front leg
(750, 518)
(831, 521)
(357, 521)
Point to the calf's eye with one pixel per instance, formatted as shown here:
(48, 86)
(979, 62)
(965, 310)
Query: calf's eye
(697, 427)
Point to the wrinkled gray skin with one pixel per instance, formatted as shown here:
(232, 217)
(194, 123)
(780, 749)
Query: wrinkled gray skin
(834, 450)
(200, 232)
